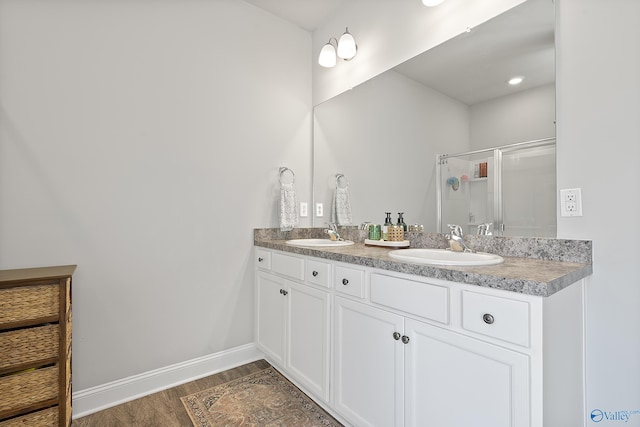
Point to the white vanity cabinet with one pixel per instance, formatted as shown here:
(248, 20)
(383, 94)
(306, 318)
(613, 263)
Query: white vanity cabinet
(415, 351)
(391, 370)
(271, 307)
(368, 364)
(293, 318)
(455, 380)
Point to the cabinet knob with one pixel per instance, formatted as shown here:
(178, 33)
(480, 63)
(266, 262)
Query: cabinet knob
(281, 291)
(284, 292)
(345, 282)
(260, 259)
(315, 273)
(405, 339)
(488, 318)
(396, 336)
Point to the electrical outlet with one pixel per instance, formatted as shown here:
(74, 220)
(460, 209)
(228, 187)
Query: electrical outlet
(319, 209)
(571, 202)
(304, 209)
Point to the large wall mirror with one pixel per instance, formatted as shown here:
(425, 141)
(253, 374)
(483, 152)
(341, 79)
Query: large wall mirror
(384, 135)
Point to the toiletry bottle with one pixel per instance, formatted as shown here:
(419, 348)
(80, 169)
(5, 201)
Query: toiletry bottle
(401, 221)
(375, 232)
(385, 227)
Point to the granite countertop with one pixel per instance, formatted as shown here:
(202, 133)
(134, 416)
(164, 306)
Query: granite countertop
(535, 274)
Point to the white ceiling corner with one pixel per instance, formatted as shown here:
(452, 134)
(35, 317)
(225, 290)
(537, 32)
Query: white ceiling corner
(306, 14)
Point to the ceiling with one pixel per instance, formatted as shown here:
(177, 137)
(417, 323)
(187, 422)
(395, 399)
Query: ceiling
(307, 14)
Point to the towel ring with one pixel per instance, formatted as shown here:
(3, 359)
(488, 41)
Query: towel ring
(340, 176)
(284, 170)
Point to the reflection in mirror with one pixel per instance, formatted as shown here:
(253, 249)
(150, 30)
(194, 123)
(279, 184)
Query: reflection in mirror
(504, 191)
(386, 134)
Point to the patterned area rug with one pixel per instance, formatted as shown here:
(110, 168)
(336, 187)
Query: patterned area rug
(264, 398)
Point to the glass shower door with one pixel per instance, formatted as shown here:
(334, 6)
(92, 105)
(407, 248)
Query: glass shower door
(528, 192)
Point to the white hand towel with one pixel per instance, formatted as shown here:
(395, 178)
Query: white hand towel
(288, 207)
(341, 206)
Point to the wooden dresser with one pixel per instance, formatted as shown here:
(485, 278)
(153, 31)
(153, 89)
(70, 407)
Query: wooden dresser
(35, 346)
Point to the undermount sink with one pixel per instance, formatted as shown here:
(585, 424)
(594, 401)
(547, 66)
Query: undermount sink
(445, 257)
(323, 243)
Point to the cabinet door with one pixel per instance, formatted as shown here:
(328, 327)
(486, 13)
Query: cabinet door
(453, 380)
(308, 338)
(270, 326)
(369, 365)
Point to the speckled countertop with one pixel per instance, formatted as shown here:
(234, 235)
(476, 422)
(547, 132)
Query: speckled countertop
(531, 266)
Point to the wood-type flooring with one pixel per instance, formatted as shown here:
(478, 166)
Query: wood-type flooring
(163, 409)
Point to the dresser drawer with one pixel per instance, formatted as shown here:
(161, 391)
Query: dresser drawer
(501, 318)
(24, 305)
(318, 273)
(24, 391)
(418, 298)
(263, 259)
(349, 281)
(45, 418)
(22, 348)
(286, 265)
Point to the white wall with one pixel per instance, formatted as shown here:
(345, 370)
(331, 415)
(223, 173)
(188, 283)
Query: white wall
(141, 140)
(599, 151)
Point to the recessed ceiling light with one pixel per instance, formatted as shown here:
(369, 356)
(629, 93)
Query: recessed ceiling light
(515, 81)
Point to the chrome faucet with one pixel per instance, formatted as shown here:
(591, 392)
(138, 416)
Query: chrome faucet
(332, 231)
(455, 238)
(483, 229)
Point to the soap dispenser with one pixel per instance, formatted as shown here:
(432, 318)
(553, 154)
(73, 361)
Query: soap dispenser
(401, 222)
(385, 227)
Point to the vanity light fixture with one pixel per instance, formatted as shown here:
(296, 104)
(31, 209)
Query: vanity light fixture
(431, 3)
(327, 56)
(515, 81)
(346, 49)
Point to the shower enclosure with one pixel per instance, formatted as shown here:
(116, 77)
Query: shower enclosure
(512, 187)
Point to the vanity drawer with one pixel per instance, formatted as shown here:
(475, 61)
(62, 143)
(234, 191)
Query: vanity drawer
(349, 281)
(263, 259)
(501, 318)
(318, 273)
(286, 265)
(418, 298)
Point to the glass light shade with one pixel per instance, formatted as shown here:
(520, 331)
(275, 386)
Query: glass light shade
(515, 81)
(347, 46)
(327, 56)
(431, 3)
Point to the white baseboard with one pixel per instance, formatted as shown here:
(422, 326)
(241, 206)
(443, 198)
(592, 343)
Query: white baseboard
(104, 396)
